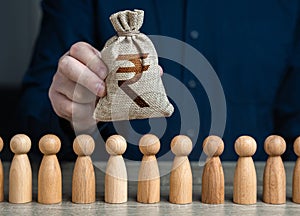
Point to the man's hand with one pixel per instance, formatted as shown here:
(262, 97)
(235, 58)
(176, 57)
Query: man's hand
(77, 83)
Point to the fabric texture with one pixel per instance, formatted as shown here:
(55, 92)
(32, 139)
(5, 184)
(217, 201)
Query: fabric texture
(134, 86)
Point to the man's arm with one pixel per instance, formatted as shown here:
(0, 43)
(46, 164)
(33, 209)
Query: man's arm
(287, 110)
(63, 24)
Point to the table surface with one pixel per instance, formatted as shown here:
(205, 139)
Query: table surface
(163, 207)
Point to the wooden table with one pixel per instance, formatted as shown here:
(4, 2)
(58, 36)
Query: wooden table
(162, 208)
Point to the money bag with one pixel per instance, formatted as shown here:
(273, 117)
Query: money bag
(134, 87)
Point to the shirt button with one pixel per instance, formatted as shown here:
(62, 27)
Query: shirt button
(192, 84)
(194, 34)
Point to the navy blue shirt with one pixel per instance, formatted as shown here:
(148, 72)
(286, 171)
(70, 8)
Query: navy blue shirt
(253, 46)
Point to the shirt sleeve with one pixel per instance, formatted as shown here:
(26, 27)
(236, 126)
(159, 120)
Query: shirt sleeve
(63, 23)
(287, 110)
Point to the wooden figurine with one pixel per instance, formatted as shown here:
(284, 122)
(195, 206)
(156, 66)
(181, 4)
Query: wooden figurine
(83, 180)
(274, 180)
(245, 185)
(213, 176)
(296, 174)
(181, 180)
(149, 180)
(1, 174)
(49, 176)
(20, 173)
(116, 174)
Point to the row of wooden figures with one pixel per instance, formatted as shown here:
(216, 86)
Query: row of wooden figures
(148, 191)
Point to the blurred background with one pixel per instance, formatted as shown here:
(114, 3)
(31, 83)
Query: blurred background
(19, 21)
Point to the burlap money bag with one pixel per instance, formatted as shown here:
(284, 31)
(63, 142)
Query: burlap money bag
(134, 86)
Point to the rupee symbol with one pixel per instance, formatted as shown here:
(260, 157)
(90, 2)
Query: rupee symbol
(138, 69)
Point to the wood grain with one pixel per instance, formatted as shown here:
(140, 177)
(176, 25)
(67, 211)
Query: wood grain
(296, 182)
(213, 175)
(245, 183)
(274, 179)
(49, 175)
(20, 173)
(148, 181)
(83, 181)
(49, 181)
(148, 190)
(116, 180)
(296, 173)
(1, 174)
(181, 181)
(213, 182)
(20, 180)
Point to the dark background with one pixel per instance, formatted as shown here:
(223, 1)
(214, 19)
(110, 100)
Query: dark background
(19, 21)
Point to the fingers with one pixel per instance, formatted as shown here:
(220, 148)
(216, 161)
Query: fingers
(72, 111)
(61, 105)
(74, 92)
(90, 57)
(77, 83)
(79, 73)
(160, 70)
